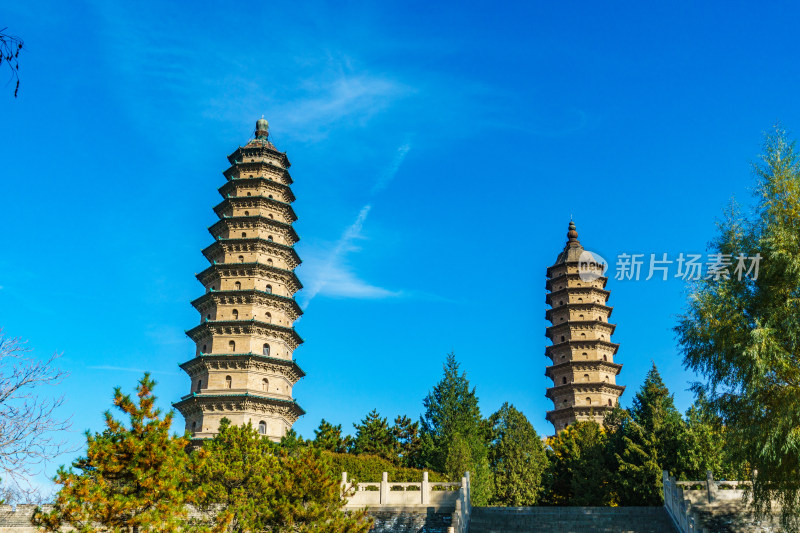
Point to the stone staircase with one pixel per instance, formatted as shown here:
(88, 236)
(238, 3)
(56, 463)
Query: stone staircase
(570, 520)
(409, 520)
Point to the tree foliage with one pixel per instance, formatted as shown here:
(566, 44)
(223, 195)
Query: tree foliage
(133, 476)
(742, 333)
(374, 436)
(329, 437)
(454, 434)
(578, 470)
(516, 457)
(262, 487)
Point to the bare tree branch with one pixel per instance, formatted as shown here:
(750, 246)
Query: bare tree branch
(10, 47)
(30, 430)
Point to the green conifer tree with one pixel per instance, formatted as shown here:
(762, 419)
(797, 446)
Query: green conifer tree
(516, 457)
(578, 470)
(373, 436)
(329, 437)
(451, 424)
(408, 445)
(257, 486)
(134, 477)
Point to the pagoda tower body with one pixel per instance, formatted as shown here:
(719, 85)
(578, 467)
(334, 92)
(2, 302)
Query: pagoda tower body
(582, 354)
(243, 368)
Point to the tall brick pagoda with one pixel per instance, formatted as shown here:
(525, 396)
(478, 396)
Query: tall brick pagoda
(582, 354)
(243, 368)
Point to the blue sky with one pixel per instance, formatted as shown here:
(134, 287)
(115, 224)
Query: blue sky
(438, 152)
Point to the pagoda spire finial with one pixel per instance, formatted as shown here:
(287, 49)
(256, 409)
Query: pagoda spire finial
(572, 234)
(262, 128)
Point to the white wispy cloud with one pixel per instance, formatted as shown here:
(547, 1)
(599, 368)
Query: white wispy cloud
(330, 273)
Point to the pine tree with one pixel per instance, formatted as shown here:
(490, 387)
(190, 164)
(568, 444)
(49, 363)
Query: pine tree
(408, 445)
(742, 332)
(373, 436)
(329, 437)
(257, 486)
(452, 422)
(516, 457)
(132, 477)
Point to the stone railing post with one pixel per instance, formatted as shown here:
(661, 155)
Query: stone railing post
(711, 486)
(344, 484)
(466, 483)
(425, 489)
(384, 496)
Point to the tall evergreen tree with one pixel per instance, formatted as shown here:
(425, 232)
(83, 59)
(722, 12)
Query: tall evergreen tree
(638, 479)
(454, 434)
(133, 477)
(742, 332)
(516, 457)
(653, 409)
(373, 436)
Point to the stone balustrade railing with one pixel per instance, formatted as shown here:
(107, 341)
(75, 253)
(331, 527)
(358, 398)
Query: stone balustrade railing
(681, 496)
(443, 497)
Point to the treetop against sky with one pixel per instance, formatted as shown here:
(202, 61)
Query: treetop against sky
(438, 153)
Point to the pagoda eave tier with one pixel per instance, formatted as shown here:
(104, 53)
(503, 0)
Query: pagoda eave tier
(577, 411)
(584, 306)
(258, 147)
(211, 328)
(256, 244)
(248, 296)
(256, 168)
(250, 361)
(580, 365)
(252, 222)
(594, 325)
(587, 291)
(229, 188)
(580, 344)
(221, 270)
(254, 202)
(207, 403)
(586, 386)
(565, 278)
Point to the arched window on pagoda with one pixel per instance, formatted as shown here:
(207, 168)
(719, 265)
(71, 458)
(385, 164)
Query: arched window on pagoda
(605, 358)
(235, 314)
(247, 213)
(237, 286)
(266, 349)
(241, 259)
(586, 377)
(588, 401)
(269, 238)
(228, 382)
(231, 347)
(269, 262)
(268, 290)
(265, 385)
(244, 235)
(262, 428)
(563, 380)
(609, 403)
(268, 318)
